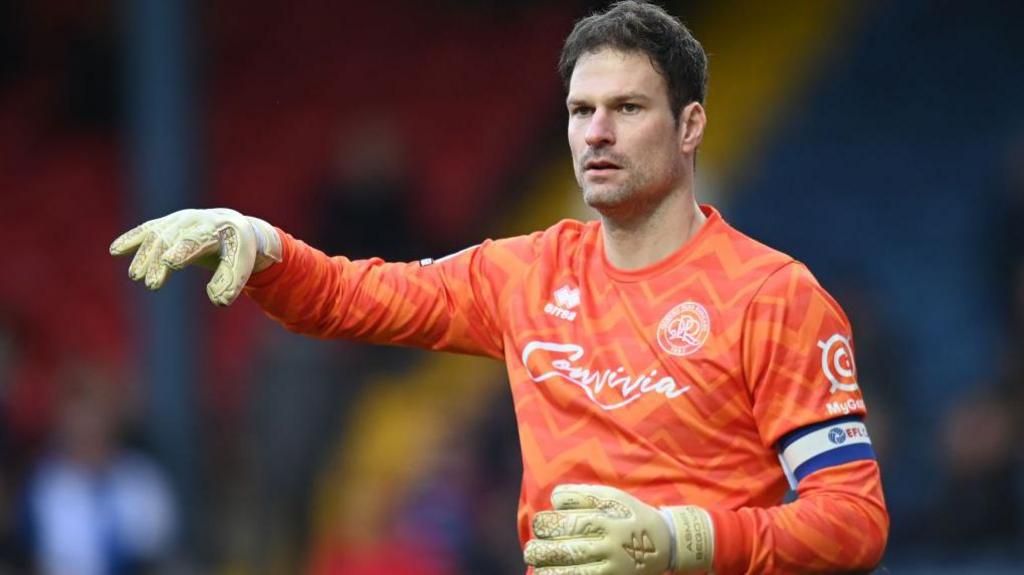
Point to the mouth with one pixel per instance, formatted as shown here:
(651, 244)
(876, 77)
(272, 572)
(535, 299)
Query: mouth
(600, 165)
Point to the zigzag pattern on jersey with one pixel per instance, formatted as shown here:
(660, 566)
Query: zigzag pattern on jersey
(731, 268)
(795, 319)
(644, 449)
(817, 534)
(705, 447)
(392, 303)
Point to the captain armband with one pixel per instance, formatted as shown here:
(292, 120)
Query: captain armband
(822, 445)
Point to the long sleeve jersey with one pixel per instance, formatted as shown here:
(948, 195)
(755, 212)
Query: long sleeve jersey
(716, 377)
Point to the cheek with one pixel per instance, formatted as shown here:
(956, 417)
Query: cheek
(575, 137)
(662, 153)
(576, 147)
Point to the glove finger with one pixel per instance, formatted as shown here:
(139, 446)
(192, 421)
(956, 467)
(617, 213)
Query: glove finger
(232, 272)
(189, 248)
(563, 552)
(608, 500)
(128, 241)
(156, 275)
(143, 256)
(561, 524)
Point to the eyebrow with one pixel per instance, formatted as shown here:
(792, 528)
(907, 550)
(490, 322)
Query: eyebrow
(629, 96)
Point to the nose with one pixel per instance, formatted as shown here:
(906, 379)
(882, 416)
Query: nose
(600, 131)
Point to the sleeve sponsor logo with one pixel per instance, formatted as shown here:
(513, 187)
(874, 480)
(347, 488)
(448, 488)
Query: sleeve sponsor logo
(837, 363)
(608, 388)
(845, 407)
(684, 329)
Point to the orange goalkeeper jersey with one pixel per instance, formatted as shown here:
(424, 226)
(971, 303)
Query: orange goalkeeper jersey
(704, 379)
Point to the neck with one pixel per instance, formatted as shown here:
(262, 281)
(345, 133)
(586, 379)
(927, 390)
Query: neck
(645, 239)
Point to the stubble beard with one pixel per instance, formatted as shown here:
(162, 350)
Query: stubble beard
(629, 200)
(607, 196)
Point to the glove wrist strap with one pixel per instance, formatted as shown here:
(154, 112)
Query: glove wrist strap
(693, 539)
(268, 244)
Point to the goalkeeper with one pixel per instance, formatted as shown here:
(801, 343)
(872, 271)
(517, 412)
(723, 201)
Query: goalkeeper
(671, 376)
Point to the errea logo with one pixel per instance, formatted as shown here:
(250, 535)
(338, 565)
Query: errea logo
(566, 298)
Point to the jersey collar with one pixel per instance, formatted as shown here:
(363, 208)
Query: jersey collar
(714, 221)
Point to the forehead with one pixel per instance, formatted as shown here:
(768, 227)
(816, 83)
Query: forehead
(610, 72)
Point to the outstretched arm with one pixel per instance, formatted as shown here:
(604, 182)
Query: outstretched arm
(450, 304)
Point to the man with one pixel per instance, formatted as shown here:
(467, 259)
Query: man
(668, 372)
(92, 505)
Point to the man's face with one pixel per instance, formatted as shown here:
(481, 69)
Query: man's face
(625, 142)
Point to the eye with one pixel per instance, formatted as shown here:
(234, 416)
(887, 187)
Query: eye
(629, 108)
(581, 111)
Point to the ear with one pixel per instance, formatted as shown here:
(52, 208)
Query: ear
(691, 121)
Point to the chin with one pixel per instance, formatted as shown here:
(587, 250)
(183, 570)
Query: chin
(606, 198)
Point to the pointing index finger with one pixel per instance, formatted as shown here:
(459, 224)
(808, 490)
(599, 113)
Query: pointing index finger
(129, 241)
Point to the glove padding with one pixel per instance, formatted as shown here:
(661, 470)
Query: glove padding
(231, 244)
(601, 530)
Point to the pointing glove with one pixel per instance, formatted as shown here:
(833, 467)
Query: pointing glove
(231, 244)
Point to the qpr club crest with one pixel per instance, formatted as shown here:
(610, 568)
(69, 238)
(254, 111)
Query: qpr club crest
(684, 329)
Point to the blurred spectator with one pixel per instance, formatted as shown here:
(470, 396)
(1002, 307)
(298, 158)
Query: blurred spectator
(362, 205)
(301, 390)
(91, 87)
(464, 508)
(494, 545)
(980, 507)
(92, 506)
(458, 518)
(372, 536)
(302, 387)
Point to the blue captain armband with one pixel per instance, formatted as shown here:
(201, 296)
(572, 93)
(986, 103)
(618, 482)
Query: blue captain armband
(825, 444)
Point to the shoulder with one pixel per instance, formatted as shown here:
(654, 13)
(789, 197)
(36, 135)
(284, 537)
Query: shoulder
(747, 264)
(772, 275)
(795, 285)
(792, 297)
(566, 236)
(749, 253)
(569, 232)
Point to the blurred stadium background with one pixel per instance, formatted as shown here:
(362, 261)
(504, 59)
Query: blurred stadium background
(881, 142)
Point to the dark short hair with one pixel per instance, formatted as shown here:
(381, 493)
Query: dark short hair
(632, 26)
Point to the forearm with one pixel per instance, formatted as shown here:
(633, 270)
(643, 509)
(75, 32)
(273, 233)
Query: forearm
(838, 524)
(369, 300)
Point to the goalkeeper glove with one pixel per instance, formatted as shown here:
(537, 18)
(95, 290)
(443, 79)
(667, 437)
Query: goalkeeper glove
(600, 530)
(233, 245)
